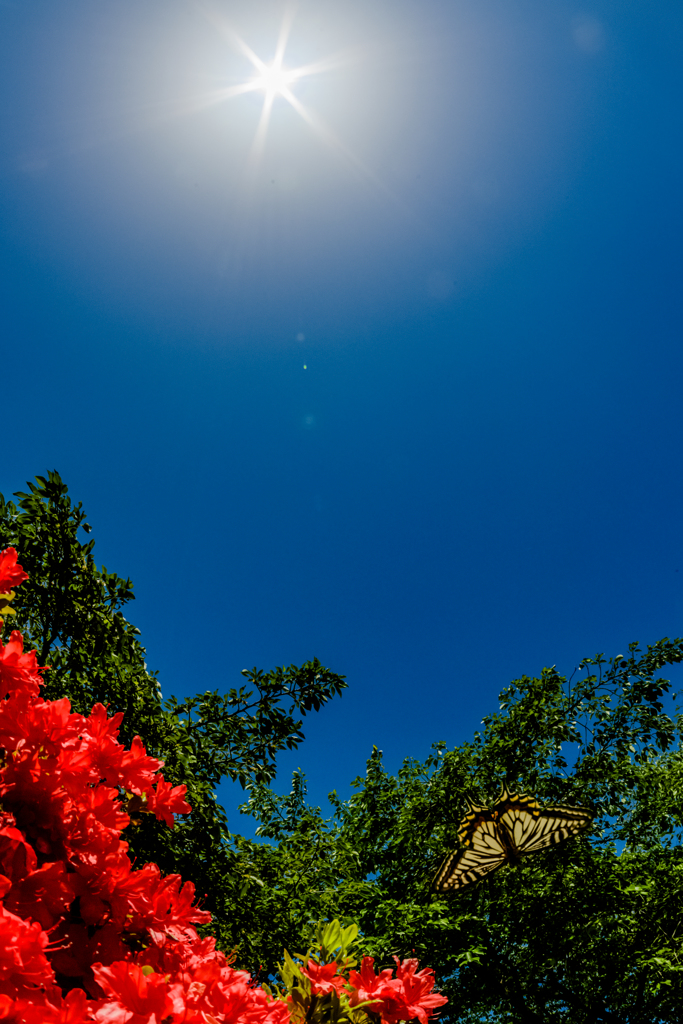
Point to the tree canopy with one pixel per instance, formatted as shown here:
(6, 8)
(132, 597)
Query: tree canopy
(586, 932)
(70, 610)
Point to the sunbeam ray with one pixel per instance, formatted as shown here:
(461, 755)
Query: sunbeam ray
(258, 145)
(285, 29)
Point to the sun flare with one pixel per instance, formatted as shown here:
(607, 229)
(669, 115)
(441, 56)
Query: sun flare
(274, 79)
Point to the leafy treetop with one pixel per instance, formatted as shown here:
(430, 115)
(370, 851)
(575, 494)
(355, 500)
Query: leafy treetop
(71, 611)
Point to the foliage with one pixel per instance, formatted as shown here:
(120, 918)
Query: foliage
(577, 933)
(70, 610)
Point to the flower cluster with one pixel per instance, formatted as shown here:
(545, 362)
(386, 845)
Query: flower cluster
(85, 937)
(405, 997)
(322, 986)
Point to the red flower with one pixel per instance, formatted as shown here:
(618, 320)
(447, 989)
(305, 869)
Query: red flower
(17, 857)
(366, 983)
(165, 801)
(19, 671)
(23, 964)
(137, 768)
(100, 742)
(135, 996)
(72, 1009)
(413, 996)
(164, 905)
(405, 997)
(205, 988)
(45, 895)
(11, 574)
(324, 977)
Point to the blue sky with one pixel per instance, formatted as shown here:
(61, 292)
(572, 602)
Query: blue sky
(471, 242)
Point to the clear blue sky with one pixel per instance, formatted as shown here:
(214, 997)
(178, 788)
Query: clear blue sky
(472, 242)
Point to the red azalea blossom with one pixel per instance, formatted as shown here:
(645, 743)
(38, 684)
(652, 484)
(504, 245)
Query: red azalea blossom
(137, 768)
(407, 996)
(23, 964)
(165, 801)
(45, 895)
(366, 983)
(11, 574)
(18, 671)
(135, 997)
(72, 1009)
(416, 998)
(324, 977)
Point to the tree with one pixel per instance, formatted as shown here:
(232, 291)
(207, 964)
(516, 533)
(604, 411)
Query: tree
(586, 932)
(71, 612)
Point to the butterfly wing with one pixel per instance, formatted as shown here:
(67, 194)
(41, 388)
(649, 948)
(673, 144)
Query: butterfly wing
(483, 853)
(464, 867)
(550, 826)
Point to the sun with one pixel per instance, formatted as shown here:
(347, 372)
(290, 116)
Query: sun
(274, 79)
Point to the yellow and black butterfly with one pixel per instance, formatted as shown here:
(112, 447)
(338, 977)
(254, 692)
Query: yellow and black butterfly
(515, 826)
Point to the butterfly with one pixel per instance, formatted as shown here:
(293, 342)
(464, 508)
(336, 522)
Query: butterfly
(515, 826)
